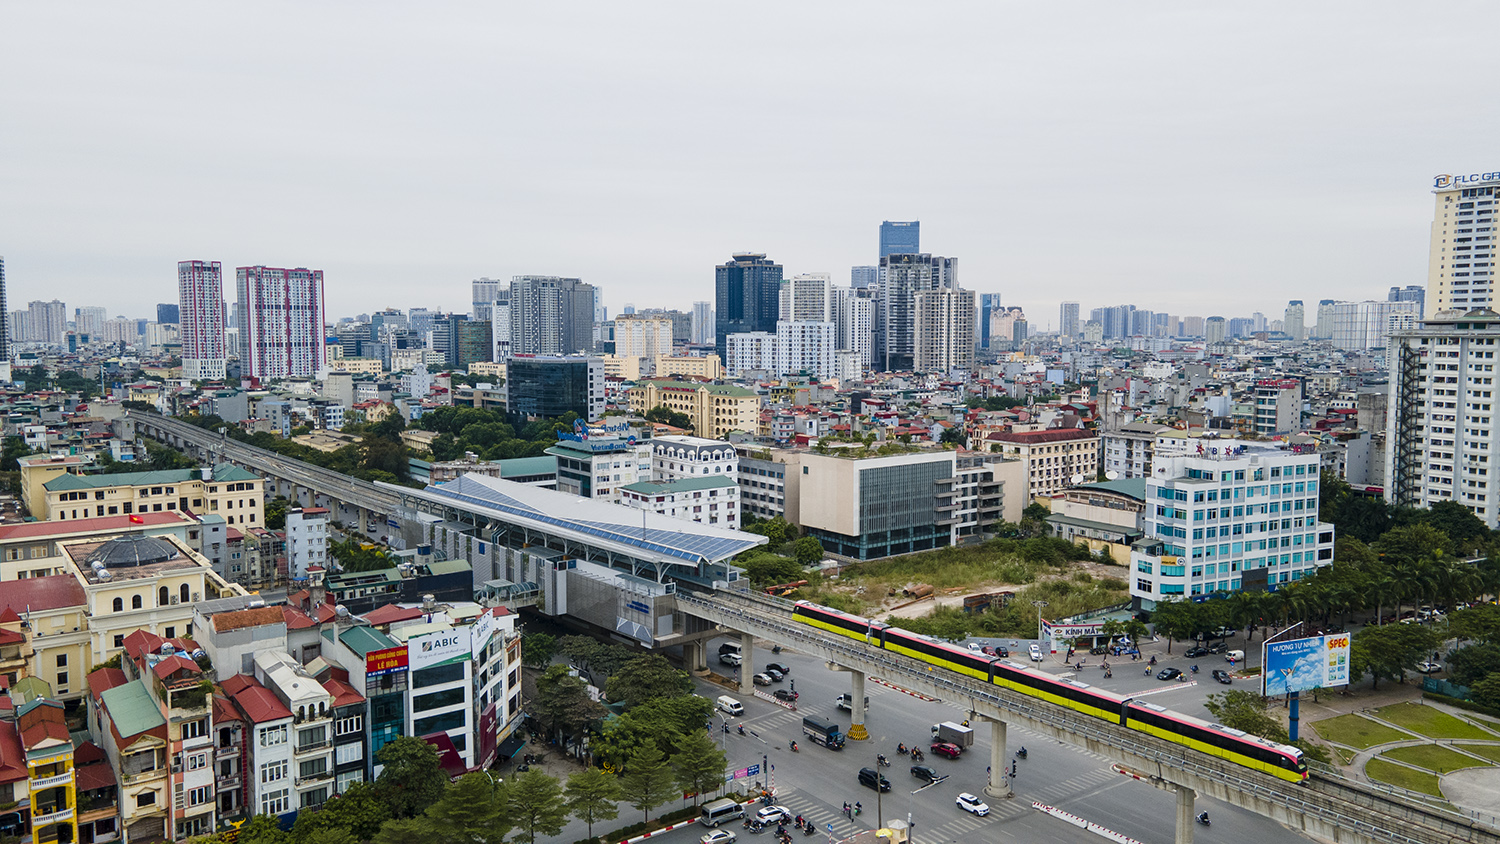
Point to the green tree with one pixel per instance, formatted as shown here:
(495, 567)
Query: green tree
(663, 415)
(698, 764)
(263, 829)
(648, 780)
(647, 677)
(1469, 665)
(1465, 531)
(563, 704)
(412, 779)
(1386, 653)
(776, 530)
(808, 551)
(15, 448)
(1175, 620)
(360, 809)
(1244, 710)
(275, 513)
(537, 649)
(1478, 623)
(764, 568)
(592, 795)
(954, 435)
(1486, 692)
(534, 802)
(329, 835)
(472, 810)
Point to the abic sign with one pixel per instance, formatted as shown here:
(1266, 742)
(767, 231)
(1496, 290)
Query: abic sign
(1447, 180)
(435, 648)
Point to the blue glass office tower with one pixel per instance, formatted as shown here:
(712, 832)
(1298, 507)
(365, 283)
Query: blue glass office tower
(900, 238)
(747, 294)
(988, 303)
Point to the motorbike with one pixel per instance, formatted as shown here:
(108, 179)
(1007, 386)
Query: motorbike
(1203, 818)
(857, 809)
(1021, 753)
(775, 649)
(917, 755)
(1195, 669)
(741, 728)
(1108, 674)
(808, 830)
(882, 761)
(794, 747)
(901, 749)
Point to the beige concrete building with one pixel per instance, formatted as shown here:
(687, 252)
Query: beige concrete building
(141, 583)
(54, 644)
(227, 490)
(1105, 516)
(38, 469)
(1054, 458)
(357, 366)
(716, 409)
(642, 336)
(1460, 260)
(29, 549)
(945, 330)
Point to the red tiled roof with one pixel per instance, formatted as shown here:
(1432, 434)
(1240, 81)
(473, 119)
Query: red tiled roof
(343, 693)
(173, 664)
(258, 703)
(253, 617)
(27, 530)
(224, 711)
(325, 613)
(88, 753)
(11, 637)
(12, 755)
(40, 593)
(391, 613)
(296, 619)
(94, 776)
(103, 679)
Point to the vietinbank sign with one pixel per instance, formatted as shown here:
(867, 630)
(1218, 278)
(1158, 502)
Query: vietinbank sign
(432, 649)
(1448, 181)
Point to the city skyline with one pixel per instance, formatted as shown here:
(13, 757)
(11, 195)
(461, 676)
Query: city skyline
(94, 216)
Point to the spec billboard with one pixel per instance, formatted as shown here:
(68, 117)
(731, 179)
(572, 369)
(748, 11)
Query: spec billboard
(1297, 665)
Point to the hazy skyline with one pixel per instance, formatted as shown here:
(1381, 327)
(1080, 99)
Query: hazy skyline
(1188, 159)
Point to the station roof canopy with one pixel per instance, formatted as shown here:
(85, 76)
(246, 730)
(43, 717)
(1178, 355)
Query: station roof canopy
(642, 533)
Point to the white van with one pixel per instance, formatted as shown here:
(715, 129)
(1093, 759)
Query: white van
(729, 705)
(720, 811)
(1235, 656)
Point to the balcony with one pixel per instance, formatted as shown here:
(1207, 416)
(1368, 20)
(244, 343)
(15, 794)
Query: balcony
(314, 746)
(314, 778)
(227, 783)
(229, 752)
(39, 783)
(59, 816)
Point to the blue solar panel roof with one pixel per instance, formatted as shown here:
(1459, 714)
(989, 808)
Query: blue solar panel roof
(690, 542)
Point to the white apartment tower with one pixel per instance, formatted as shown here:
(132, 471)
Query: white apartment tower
(1442, 428)
(1292, 324)
(804, 298)
(805, 346)
(281, 314)
(703, 323)
(200, 296)
(944, 337)
(854, 323)
(486, 291)
(1460, 260)
(1225, 515)
(749, 351)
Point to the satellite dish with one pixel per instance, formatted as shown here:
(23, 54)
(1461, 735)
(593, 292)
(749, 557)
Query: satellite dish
(1077, 479)
(1111, 476)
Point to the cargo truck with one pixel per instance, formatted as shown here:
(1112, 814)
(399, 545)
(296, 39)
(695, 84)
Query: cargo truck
(823, 732)
(953, 734)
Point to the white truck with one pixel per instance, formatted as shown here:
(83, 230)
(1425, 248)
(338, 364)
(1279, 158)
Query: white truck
(953, 733)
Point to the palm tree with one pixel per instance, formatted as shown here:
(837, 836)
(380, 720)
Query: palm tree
(1246, 609)
(1383, 590)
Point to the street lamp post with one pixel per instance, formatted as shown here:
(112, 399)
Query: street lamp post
(1039, 605)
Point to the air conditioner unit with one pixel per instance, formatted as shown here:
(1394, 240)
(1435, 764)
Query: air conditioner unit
(176, 767)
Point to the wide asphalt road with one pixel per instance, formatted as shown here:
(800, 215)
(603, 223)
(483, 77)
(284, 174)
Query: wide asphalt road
(816, 781)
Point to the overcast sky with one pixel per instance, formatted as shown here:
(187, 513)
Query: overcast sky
(1184, 157)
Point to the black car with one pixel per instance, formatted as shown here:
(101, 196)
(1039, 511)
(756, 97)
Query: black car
(1197, 652)
(778, 668)
(784, 696)
(1222, 676)
(926, 773)
(871, 778)
(1218, 647)
(1169, 674)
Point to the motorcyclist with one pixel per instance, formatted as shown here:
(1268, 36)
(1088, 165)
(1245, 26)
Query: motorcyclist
(1195, 669)
(900, 748)
(1203, 818)
(741, 728)
(858, 808)
(1153, 661)
(881, 759)
(794, 747)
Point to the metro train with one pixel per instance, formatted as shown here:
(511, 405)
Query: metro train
(1279, 760)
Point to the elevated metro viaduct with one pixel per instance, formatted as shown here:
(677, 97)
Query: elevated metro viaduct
(663, 582)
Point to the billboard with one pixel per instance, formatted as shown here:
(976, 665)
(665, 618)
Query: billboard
(432, 649)
(1297, 665)
(387, 661)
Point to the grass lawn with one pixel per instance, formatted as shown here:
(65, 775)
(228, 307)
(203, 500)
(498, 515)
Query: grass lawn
(1439, 760)
(1431, 722)
(1403, 777)
(1357, 731)
(1345, 754)
(1488, 751)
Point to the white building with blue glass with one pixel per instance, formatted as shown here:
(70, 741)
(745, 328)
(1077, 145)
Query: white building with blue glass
(1227, 515)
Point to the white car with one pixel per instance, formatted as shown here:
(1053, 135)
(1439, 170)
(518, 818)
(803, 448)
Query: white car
(730, 658)
(771, 814)
(1036, 653)
(719, 836)
(970, 803)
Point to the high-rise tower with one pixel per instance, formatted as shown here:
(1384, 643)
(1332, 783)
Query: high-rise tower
(281, 311)
(1067, 322)
(903, 275)
(747, 293)
(1461, 258)
(551, 315)
(898, 238)
(200, 311)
